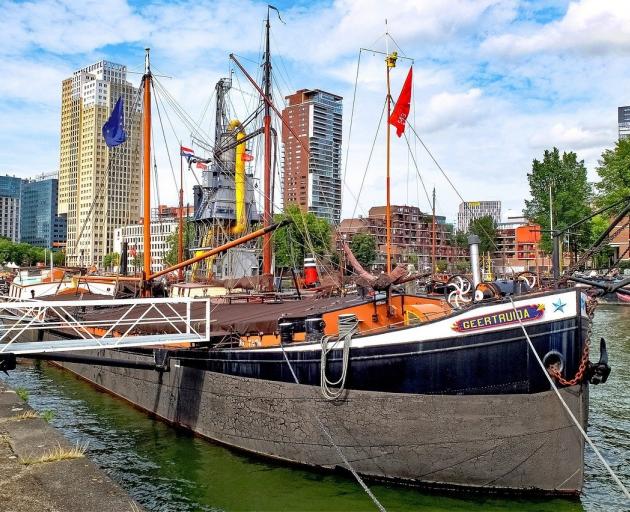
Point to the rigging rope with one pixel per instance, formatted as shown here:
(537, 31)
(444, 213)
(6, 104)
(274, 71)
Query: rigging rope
(336, 447)
(566, 407)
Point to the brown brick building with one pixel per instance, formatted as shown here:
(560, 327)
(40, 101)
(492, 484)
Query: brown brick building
(411, 234)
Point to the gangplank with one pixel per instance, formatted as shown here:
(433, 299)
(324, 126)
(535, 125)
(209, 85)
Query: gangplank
(26, 325)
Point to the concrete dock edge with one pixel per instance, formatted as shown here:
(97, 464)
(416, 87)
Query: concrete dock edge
(35, 476)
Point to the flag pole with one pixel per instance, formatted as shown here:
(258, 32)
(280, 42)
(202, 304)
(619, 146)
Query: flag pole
(390, 60)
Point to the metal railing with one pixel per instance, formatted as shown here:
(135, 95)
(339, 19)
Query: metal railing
(86, 325)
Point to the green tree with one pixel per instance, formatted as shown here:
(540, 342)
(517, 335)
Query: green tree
(170, 258)
(486, 229)
(363, 246)
(459, 239)
(570, 191)
(137, 262)
(20, 253)
(614, 173)
(59, 258)
(111, 260)
(441, 265)
(306, 234)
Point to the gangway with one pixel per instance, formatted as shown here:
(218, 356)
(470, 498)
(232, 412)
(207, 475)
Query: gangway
(33, 327)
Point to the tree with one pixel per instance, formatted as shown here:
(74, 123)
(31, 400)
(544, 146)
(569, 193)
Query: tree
(111, 260)
(460, 239)
(137, 262)
(486, 229)
(305, 235)
(441, 265)
(170, 258)
(614, 171)
(20, 253)
(570, 191)
(59, 258)
(363, 246)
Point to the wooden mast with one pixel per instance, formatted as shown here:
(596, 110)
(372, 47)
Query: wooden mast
(266, 266)
(391, 62)
(180, 238)
(433, 269)
(147, 166)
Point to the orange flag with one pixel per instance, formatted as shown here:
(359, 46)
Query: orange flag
(399, 115)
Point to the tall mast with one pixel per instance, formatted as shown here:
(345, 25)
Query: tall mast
(266, 267)
(146, 79)
(180, 240)
(433, 235)
(391, 62)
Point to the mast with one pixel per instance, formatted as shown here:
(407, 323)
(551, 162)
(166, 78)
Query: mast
(391, 62)
(266, 266)
(146, 132)
(180, 239)
(433, 235)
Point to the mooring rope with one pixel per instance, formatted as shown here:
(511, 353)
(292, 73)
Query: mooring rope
(331, 390)
(577, 423)
(338, 450)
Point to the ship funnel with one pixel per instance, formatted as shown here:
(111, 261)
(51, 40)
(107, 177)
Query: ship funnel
(473, 242)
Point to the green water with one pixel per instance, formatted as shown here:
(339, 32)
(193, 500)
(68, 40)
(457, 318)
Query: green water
(167, 470)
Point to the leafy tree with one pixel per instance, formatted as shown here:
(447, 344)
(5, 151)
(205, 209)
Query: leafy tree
(614, 171)
(570, 192)
(170, 258)
(59, 258)
(20, 253)
(111, 260)
(462, 266)
(441, 265)
(137, 262)
(363, 246)
(307, 234)
(486, 229)
(460, 239)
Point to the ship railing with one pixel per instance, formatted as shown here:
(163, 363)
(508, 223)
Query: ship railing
(38, 326)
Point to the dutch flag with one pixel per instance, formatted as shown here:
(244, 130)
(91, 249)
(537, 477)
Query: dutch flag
(187, 152)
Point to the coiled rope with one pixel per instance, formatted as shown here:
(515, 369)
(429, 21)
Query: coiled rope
(564, 404)
(348, 326)
(337, 449)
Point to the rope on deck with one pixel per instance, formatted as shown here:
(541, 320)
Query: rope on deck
(332, 442)
(577, 423)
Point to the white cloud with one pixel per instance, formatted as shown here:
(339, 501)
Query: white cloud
(593, 27)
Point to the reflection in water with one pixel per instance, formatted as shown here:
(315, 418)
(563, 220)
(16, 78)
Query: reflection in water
(165, 469)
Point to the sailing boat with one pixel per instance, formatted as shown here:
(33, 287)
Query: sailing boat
(403, 388)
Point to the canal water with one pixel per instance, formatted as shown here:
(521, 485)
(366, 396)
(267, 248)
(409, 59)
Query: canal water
(167, 470)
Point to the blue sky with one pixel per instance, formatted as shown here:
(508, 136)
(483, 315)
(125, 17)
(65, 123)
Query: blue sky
(496, 81)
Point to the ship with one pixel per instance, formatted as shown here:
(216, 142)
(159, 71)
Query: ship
(391, 386)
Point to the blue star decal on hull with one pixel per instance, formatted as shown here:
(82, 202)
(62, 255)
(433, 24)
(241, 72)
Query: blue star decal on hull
(559, 306)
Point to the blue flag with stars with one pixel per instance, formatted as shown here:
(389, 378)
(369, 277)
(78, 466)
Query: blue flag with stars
(114, 129)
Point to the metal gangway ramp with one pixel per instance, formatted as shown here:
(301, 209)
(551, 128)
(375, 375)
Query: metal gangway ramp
(22, 321)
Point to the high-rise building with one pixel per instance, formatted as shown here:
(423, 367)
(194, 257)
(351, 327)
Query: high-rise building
(623, 120)
(471, 210)
(161, 231)
(10, 189)
(312, 179)
(40, 224)
(99, 188)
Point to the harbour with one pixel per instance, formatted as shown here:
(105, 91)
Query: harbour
(166, 469)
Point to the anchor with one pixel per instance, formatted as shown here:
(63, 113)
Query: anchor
(598, 373)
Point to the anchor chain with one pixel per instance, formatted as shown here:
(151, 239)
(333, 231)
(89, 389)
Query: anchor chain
(591, 305)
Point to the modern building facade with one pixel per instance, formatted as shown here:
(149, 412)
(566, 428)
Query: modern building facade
(99, 188)
(10, 199)
(623, 120)
(134, 236)
(312, 179)
(471, 210)
(40, 223)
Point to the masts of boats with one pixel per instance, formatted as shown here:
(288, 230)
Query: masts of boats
(266, 268)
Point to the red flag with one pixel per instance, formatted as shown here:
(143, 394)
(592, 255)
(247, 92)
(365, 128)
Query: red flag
(201, 165)
(246, 157)
(399, 115)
